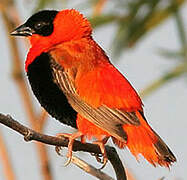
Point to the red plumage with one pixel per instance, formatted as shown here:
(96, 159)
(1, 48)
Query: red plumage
(106, 103)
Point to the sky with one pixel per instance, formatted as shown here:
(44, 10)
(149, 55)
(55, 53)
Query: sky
(165, 109)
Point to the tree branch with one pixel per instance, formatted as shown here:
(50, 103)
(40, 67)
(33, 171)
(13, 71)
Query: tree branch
(10, 17)
(174, 73)
(5, 160)
(90, 169)
(98, 7)
(30, 134)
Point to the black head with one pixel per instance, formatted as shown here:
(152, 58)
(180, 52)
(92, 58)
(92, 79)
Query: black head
(40, 23)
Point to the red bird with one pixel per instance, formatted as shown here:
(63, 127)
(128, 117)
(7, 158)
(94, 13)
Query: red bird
(75, 82)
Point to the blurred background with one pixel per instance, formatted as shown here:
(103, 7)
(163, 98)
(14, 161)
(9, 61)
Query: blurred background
(145, 39)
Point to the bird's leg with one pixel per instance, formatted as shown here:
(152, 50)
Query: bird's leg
(59, 148)
(83, 139)
(101, 144)
(71, 138)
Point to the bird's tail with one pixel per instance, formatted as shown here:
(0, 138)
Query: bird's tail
(143, 140)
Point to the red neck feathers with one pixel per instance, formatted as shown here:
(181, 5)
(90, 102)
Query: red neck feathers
(68, 25)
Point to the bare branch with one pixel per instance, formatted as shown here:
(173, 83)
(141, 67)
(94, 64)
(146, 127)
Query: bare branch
(174, 73)
(30, 134)
(42, 119)
(10, 17)
(97, 9)
(5, 160)
(90, 169)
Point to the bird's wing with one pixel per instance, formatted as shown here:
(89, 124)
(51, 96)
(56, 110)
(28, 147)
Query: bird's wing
(103, 96)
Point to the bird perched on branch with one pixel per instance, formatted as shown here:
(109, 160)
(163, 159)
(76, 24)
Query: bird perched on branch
(75, 82)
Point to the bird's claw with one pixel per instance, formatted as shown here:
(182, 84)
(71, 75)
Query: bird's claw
(71, 138)
(58, 149)
(101, 159)
(104, 162)
(97, 157)
(68, 161)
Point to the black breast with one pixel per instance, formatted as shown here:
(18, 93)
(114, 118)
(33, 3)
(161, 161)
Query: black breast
(49, 95)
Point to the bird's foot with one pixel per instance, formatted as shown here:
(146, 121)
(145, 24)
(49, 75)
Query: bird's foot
(71, 138)
(101, 158)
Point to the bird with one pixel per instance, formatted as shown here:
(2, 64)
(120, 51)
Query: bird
(75, 82)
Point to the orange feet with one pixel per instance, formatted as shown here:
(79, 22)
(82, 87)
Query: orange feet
(104, 159)
(71, 138)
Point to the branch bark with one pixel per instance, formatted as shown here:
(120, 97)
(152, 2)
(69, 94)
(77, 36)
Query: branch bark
(5, 160)
(9, 12)
(30, 134)
(90, 169)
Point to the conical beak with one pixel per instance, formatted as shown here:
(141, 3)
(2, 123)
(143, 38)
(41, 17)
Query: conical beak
(22, 30)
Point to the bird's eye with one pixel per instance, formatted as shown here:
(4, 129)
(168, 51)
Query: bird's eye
(39, 25)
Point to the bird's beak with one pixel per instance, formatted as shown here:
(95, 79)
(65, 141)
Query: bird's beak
(22, 30)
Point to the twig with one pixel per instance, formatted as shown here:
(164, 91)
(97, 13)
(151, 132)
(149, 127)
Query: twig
(44, 161)
(130, 175)
(42, 119)
(97, 9)
(30, 134)
(17, 74)
(181, 32)
(116, 163)
(90, 169)
(176, 72)
(5, 160)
